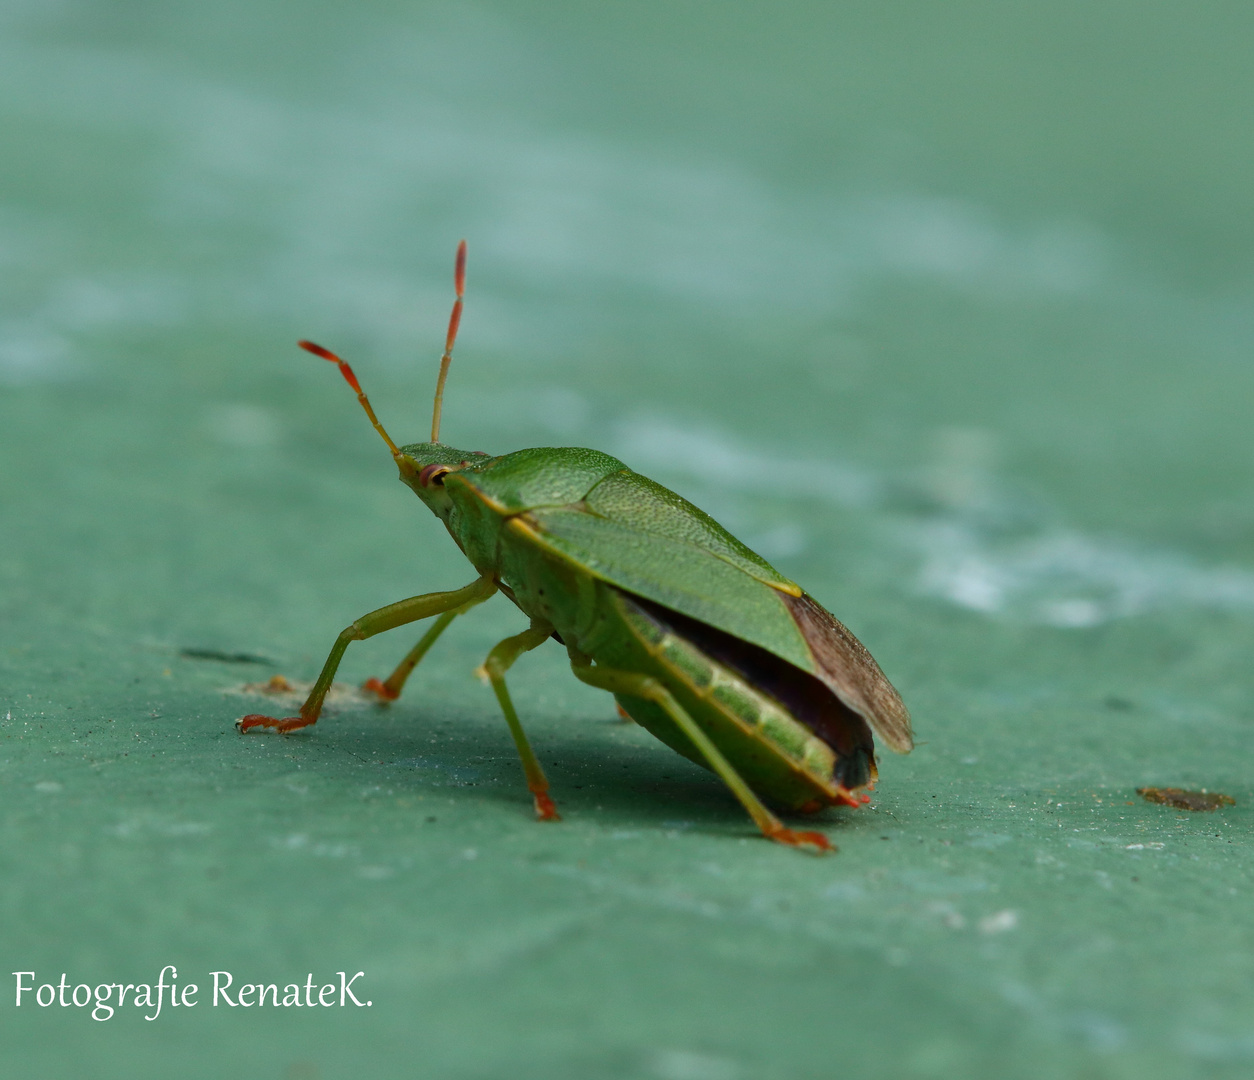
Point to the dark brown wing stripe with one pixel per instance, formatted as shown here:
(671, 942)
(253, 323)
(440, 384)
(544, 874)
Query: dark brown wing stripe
(851, 673)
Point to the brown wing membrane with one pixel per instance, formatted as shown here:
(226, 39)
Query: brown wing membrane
(851, 673)
(806, 697)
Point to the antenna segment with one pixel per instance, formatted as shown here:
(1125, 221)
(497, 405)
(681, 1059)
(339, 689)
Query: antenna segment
(459, 282)
(351, 379)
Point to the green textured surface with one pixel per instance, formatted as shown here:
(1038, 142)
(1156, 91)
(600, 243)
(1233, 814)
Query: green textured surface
(944, 308)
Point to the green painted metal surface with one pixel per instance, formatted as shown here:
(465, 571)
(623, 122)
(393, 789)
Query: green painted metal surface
(943, 308)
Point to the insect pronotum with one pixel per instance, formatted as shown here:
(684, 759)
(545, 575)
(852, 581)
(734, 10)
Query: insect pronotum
(699, 639)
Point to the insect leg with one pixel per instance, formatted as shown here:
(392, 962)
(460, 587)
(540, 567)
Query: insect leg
(645, 686)
(385, 618)
(390, 688)
(494, 667)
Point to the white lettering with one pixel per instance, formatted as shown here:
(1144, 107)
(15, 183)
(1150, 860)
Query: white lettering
(20, 987)
(347, 987)
(223, 991)
(101, 1000)
(162, 987)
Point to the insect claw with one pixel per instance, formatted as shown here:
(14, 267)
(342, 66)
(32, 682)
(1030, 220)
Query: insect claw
(289, 723)
(546, 809)
(802, 838)
(384, 692)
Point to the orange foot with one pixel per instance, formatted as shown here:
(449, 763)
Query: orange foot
(546, 809)
(252, 720)
(381, 689)
(845, 797)
(802, 838)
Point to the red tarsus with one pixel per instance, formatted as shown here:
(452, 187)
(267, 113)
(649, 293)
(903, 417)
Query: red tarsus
(546, 809)
(802, 838)
(374, 686)
(290, 723)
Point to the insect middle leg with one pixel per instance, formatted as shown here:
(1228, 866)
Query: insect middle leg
(390, 688)
(384, 618)
(635, 684)
(499, 661)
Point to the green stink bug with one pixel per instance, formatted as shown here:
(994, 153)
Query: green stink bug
(699, 639)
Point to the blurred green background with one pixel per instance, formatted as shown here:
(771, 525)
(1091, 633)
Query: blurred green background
(945, 308)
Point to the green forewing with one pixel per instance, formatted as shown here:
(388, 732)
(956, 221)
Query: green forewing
(543, 476)
(633, 533)
(630, 499)
(679, 575)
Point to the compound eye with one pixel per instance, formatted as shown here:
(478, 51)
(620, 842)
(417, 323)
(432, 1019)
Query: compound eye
(433, 474)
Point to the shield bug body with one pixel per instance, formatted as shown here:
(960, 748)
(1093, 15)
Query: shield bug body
(699, 639)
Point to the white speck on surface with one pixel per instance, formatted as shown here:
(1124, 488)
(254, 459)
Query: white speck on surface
(48, 787)
(689, 1065)
(999, 922)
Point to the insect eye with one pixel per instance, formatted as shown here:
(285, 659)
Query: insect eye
(433, 474)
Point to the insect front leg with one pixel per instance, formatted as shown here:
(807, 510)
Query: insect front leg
(499, 661)
(635, 684)
(384, 618)
(390, 688)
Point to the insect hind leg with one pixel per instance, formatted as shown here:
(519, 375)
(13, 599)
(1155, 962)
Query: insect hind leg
(499, 661)
(635, 684)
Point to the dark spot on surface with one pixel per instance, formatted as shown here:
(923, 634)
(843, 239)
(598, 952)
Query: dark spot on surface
(1180, 799)
(1121, 704)
(431, 820)
(224, 657)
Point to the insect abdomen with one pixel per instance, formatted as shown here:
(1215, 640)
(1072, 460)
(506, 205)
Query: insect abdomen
(793, 766)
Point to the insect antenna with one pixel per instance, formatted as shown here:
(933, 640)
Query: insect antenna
(459, 282)
(351, 379)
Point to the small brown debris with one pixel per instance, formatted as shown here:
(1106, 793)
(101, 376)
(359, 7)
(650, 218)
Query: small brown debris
(1181, 799)
(287, 693)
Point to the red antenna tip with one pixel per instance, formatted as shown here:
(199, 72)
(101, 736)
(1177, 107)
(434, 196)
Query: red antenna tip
(459, 274)
(318, 350)
(327, 354)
